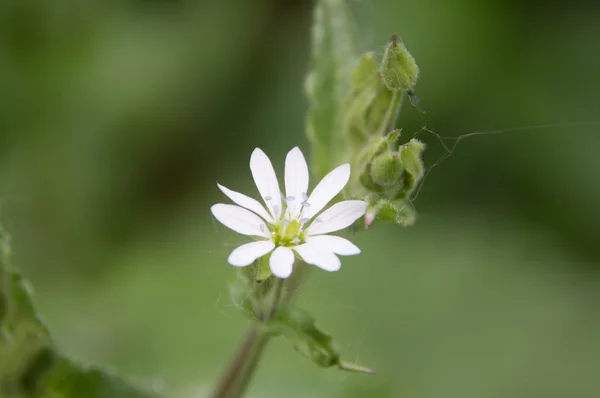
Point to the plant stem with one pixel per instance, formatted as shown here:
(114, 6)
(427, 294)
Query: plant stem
(237, 366)
(251, 366)
(391, 115)
(241, 369)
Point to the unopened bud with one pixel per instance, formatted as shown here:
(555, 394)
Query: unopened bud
(398, 69)
(400, 212)
(411, 154)
(387, 169)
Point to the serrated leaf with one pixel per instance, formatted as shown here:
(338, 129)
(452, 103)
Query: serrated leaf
(30, 365)
(328, 83)
(318, 346)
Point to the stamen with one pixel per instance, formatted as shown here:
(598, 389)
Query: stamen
(267, 198)
(318, 220)
(305, 204)
(276, 209)
(262, 227)
(304, 196)
(290, 199)
(296, 241)
(305, 220)
(285, 224)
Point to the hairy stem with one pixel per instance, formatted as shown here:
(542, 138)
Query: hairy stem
(237, 366)
(242, 367)
(391, 116)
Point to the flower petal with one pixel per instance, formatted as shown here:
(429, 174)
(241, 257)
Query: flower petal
(247, 202)
(246, 254)
(281, 262)
(326, 190)
(240, 220)
(316, 255)
(334, 244)
(266, 181)
(296, 180)
(338, 216)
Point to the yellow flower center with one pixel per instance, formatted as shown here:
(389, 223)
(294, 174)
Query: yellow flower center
(288, 233)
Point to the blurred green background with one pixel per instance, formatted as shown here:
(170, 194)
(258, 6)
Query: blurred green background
(118, 118)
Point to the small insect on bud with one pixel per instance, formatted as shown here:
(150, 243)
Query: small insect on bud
(398, 69)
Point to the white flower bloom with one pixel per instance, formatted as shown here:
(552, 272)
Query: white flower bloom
(290, 223)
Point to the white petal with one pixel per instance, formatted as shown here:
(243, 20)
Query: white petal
(240, 220)
(296, 180)
(266, 181)
(246, 254)
(281, 262)
(334, 244)
(326, 190)
(316, 255)
(338, 216)
(247, 202)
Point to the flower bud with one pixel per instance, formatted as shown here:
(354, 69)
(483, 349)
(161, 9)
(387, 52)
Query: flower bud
(401, 212)
(411, 154)
(398, 69)
(386, 170)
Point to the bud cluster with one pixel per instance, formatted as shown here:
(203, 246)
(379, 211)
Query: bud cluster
(391, 174)
(388, 173)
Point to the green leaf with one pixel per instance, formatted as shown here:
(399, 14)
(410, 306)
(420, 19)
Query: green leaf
(299, 327)
(328, 83)
(30, 365)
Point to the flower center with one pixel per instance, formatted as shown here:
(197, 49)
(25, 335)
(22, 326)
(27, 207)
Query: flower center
(288, 233)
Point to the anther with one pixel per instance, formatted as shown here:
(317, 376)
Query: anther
(268, 198)
(262, 227)
(305, 204)
(304, 196)
(290, 198)
(296, 241)
(318, 220)
(304, 220)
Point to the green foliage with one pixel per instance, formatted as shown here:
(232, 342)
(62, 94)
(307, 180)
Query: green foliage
(316, 345)
(353, 115)
(328, 83)
(30, 365)
(367, 104)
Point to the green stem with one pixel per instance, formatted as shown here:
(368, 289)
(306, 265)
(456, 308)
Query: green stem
(391, 115)
(252, 364)
(242, 368)
(237, 366)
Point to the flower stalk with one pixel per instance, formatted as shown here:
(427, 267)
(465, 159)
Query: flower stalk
(238, 375)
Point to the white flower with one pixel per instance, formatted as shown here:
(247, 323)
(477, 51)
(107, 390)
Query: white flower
(288, 223)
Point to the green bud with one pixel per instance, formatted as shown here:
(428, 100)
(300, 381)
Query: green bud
(365, 71)
(411, 154)
(378, 146)
(398, 69)
(387, 169)
(401, 212)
